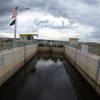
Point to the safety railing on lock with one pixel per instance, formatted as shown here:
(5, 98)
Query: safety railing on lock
(10, 45)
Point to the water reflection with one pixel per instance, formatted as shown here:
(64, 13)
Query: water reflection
(44, 78)
(49, 82)
(83, 89)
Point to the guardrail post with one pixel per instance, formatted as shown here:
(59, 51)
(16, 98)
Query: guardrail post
(98, 69)
(24, 52)
(75, 55)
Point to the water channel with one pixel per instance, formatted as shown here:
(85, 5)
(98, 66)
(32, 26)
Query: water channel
(47, 77)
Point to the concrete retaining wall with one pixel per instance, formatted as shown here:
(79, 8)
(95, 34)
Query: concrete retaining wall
(11, 60)
(88, 65)
(71, 52)
(29, 51)
(98, 82)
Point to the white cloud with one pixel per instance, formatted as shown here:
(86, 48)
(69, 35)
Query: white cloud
(58, 19)
(6, 35)
(26, 24)
(77, 30)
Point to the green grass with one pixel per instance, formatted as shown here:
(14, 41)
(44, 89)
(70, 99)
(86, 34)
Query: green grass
(94, 50)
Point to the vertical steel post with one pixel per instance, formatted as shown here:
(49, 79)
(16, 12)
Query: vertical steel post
(97, 70)
(15, 27)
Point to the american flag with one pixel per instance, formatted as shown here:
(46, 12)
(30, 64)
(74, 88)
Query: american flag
(14, 16)
(14, 13)
(14, 10)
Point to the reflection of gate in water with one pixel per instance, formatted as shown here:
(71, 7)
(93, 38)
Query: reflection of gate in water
(51, 49)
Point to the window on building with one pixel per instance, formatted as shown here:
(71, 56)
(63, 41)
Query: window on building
(22, 37)
(28, 37)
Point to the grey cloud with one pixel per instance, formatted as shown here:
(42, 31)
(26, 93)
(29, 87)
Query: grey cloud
(47, 24)
(6, 6)
(81, 11)
(93, 2)
(96, 34)
(5, 11)
(4, 22)
(37, 22)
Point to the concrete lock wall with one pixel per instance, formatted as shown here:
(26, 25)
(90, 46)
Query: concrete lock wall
(98, 82)
(29, 51)
(81, 60)
(71, 52)
(92, 66)
(11, 60)
(88, 65)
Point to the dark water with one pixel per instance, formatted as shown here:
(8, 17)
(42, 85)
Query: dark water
(47, 78)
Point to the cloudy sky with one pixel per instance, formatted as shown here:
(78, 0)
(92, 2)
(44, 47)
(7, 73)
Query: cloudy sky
(53, 19)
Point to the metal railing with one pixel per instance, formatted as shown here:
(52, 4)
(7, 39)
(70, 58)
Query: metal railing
(10, 45)
(92, 48)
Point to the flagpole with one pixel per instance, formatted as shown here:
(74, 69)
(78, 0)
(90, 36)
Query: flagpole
(15, 27)
(15, 22)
